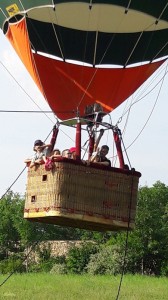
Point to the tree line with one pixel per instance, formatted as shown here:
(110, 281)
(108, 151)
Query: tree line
(146, 247)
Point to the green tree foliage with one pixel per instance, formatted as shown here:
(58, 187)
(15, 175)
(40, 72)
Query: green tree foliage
(9, 236)
(59, 269)
(15, 229)
(108, 260)
(147, 248)
(18, 235)
(151, 227)
(78, 257)
(12, 264)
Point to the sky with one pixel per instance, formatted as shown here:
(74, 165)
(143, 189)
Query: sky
(144, 132)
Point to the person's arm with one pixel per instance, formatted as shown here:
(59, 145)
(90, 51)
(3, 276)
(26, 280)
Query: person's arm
(55, 156)
(53, 140)
(105, 163)
(28, 160)
(95, 156)
(98, 140)
(46, 146)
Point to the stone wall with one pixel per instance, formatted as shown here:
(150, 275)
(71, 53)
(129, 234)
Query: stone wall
(59, 248)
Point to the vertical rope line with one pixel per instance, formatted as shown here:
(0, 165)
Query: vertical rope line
(24, 90)
(108, 46)
(134, 48)
(3, 13)
(55, 33)
(142, 90)
(56, 36)
(125, 151)
(94, 58)
(128, 6)
(22, 5)
(158, 19)
(151, 110)
(96, 70)
(23, 260)
(37, 72)
(126, 240)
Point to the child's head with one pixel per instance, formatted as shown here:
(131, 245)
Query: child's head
(73, 152)
(66, 153)
(56, 152)
(37, 143)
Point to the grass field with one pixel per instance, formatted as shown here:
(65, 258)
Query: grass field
(82, 287)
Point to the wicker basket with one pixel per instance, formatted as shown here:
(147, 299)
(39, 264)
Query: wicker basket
(76, 195)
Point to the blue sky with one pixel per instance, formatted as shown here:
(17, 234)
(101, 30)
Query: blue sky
(148, 154)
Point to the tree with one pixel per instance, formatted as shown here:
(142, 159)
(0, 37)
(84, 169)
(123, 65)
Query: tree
(78, 257)
(9, 237)
(152, 225)
(147, 245)
(19, 236)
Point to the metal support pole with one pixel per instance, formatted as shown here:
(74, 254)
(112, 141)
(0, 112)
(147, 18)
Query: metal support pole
(91, 145)
(78, 140)
(117, 139)
(53, 139)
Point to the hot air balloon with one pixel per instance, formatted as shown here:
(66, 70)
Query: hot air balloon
(86, 57)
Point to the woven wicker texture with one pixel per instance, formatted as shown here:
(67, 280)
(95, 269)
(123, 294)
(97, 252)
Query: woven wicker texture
(82, 196)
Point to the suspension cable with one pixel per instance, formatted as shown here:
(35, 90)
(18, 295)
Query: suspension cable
(23, 260)
(23, 89)
(19, 175)
(127, 236)
(150, 112)
(45, 113)
(12, 183)
(143, 97)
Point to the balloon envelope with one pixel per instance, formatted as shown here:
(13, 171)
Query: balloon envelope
(80, 52)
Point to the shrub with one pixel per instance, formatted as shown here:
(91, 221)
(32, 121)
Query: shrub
(107, 261)
(44, 252)
(164, 269)
(59, 269)
(12, 264)
(46, 265)
(78, 257)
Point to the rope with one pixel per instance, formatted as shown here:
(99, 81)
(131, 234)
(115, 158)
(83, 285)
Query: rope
(61, 50)
(24, 259)
(23, 89)
(34, 111)
(129, 109)
(25, 111)
(150, 112)
(12, 183)
(126, 240)
(125, 150)
(143, 97)
(132, 51)
(19, 175)
(32, 101)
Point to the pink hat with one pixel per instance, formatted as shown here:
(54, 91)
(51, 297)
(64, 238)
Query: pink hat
(73, 149)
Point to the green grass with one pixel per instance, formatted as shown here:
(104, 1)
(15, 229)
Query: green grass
(76, 287)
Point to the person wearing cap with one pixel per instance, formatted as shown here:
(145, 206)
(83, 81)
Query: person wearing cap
(72, 151)
(40, 154)
(42, 150)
